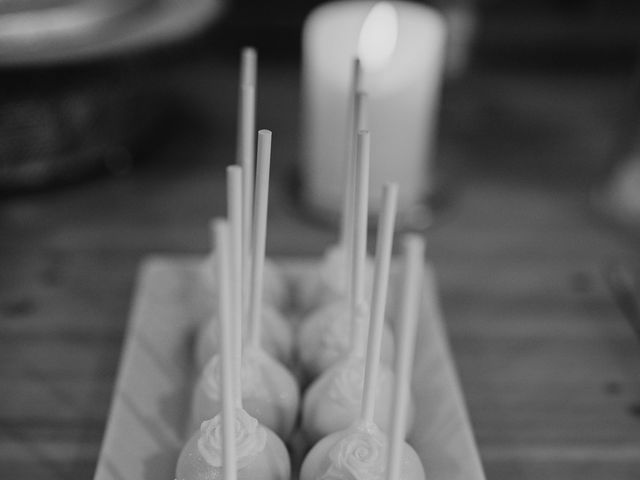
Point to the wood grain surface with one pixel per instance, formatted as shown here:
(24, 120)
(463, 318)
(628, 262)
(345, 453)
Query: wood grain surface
(548, 364)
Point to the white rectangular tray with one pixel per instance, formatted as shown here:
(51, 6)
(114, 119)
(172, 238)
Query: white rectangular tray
(151, 398)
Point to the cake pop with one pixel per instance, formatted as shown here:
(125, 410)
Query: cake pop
(276, 288)
(328, 282)
(325, 337)
(358, 453)
(260, 453)
(333, 401)
(270, 393)
(276, 337)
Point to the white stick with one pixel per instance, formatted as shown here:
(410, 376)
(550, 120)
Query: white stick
(360, 109)
(248, 68)
(384, 244)
(226, 349)
(359, 247)
(259, 234)
(409, 308)
(234, 214)
(215, 337)
(352, 133)
(245, 144)
(247, 155)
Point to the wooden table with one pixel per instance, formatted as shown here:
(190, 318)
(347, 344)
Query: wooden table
(548, 364)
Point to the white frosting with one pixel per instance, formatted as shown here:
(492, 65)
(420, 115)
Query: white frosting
(335, 337)
(347, 383)
(360, 455)
(274, 286)
(333, 269)
(253, 385)
(251, 439)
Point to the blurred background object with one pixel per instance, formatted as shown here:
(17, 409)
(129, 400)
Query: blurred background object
(617, 195)
(61, 31)
(73, 76)
(157, 55)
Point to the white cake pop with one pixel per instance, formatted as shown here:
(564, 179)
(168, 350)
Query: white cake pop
(325, 337)
(270, 393)
(332, 403)
(328, 282)
(357, 453)
(260, 452)
(277, 291)
(277, 338)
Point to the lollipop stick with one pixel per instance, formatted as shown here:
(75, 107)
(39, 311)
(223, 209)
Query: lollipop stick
(259, 234)
(247, 154)
(245, 143)
(234, 207)
(226, 348)
(411, 284)
(352, 132)
(384, 244)
(359, 247)
(248, 66)
(360, 104)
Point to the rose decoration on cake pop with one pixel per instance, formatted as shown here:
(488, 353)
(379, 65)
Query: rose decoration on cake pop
(359, 455)
(250, 438)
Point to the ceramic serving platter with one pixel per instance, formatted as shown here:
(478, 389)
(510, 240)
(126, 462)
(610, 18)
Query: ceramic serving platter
(145, 429)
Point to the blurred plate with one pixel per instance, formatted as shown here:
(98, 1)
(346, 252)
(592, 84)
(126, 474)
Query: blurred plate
(55, 31)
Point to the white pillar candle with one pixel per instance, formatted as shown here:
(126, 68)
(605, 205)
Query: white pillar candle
(401, 48)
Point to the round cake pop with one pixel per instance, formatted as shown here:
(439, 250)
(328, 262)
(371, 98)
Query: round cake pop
(205, 295)
(357, 453)
(277, 338)
(269, 392)
(260, 452)
(325, 338)
(332, 403)
(329, 281)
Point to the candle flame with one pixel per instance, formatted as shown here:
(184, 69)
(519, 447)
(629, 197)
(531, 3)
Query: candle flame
(378, 36)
